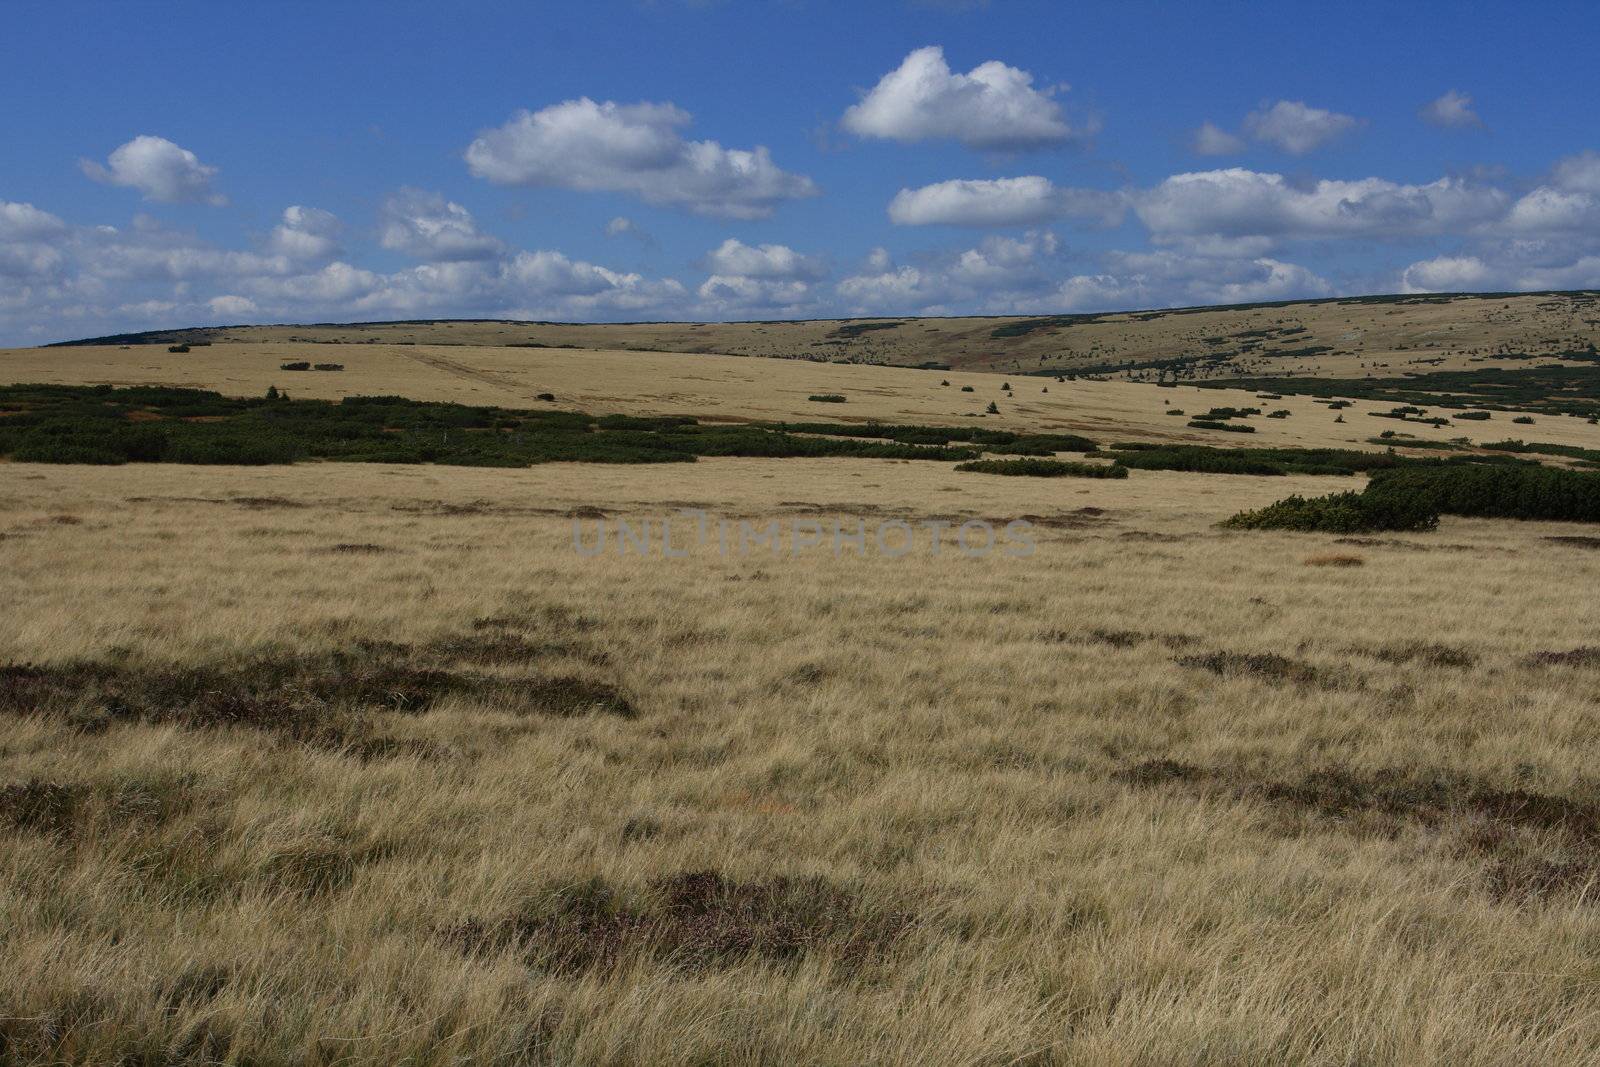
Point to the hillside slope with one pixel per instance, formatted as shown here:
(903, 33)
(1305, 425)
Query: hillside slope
(1347, 338)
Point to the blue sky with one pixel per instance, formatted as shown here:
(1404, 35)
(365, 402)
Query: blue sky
(187, 163)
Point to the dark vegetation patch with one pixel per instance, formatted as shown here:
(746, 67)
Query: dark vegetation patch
(1121, 638)
(325, 700)
(851, 330)
(1043, 468)
(1428, 653)
(1002, 441)
(696, 921)
(43, 807)
(1555, 390)
(1336, 513)
(1522, 492)
(1531, 846)
(1400, 440)
(102, 425)
(1210, 459)
(1267, 665)
(1576, 542)
(826, 398)
(1576, 657)
(357, 549)
(1212, 424)
(1413, 498)
(1589, 455)
(63, 810)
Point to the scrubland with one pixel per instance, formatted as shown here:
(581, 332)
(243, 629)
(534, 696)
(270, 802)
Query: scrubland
(365, 764)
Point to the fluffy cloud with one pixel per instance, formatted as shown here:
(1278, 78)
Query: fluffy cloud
(1168, 279)
(1238, 202)
(63, 280)
(1579, 174)
(996, 274)
(1024, 201)
(1568, 203)
(429, 227)
(767, 261)
(992, 107)
(1452, 111)
(232, 306)
(1296, 128)
(24, 222)
(306, 234)
(1213, 140)
(1446, 273)
(769, 279)
(1026, 275)
(637, 149)
(28, 239)
(160, 170)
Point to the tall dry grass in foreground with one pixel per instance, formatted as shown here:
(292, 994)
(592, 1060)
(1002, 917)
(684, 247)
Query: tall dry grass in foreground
(356, 765)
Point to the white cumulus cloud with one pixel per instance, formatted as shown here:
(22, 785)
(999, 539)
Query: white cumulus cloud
(1297, 128)
(1452, 111)
(431, 228)
(232, 306)
(1238, 203)
(159, 170)
(1025, 201)
(766, 261)
(306, 233)
(1212, 140)
(993, 107)
(637, 149)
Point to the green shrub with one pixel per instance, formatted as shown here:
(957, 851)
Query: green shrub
(1343, 513)
(1210, 459)
(1523, 420)
(1493, 491)
(297, 365)
(1043, 468)
(1208, 424)
(826, 398)
(1475, 416)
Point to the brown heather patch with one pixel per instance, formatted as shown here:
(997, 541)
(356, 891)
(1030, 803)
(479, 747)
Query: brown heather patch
(43, 807)
(1267, 665)
(1535, 844)
(254, 503)
(320, 699)
(1587, 656)
(1576, 542)
(1424, 652)
(695, 920)
(1334, 559)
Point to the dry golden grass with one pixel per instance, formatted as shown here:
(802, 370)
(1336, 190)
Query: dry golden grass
(1156, 794)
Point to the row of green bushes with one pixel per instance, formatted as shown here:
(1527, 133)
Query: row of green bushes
(77, 424)
(1413, 498)
(1043, 468)
(1003, 441)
